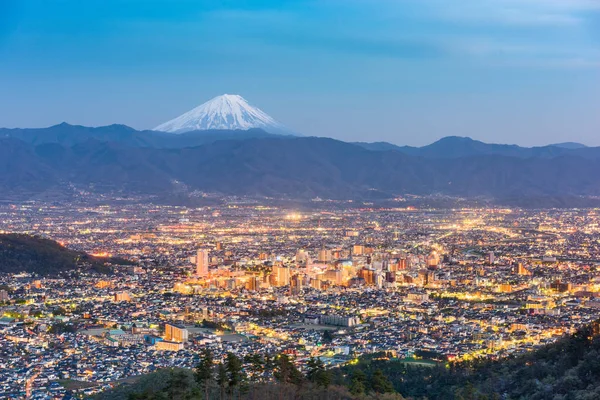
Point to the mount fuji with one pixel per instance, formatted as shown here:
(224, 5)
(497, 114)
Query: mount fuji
(226, 112)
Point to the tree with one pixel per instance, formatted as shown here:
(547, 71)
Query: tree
(235, 375)
(204, 370)
(58, 328)
(323, 379)
(357, 385)
(221, 379)
(256, 366)
(381, 383)
(180, 385)
(327, 337)
(286, 371)
(314, 365)
(316, 372)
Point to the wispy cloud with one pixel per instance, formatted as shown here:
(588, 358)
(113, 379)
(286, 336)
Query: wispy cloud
(535, 13)
(505, 31)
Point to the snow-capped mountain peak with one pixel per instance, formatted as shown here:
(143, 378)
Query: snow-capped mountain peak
(228, 112)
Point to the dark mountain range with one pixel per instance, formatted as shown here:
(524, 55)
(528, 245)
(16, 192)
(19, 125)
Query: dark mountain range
(457, 147)
(32, 254)
(293, 167)
(570, 145)
(70, 135)
(448, 147)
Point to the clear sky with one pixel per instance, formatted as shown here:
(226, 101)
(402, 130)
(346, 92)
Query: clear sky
(403, 71)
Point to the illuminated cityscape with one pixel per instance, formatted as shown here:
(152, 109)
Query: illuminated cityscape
(332, 281)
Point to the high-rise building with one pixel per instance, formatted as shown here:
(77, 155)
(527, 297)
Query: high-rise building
(202, 262)
(368, 275)
(491, 258)
(324, 256)
(282, 275)
(424, 276)
(519, 269)
(358, 250)
(378, 279)
(102, 284)
(315, 284)
(334, 275)
(402, 264)
(253, 283)
(296, 284)
(175, 333)
(433, 260)
(122, 296)
(390, 277)
(505, 288)
(4, 295)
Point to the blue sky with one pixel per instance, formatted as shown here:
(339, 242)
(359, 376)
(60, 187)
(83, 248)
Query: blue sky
(403, 71)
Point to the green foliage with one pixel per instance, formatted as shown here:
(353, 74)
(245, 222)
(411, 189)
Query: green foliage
(213, 325)
(357, 385)
(380, 383)
(222, 377)
(7, 288)
(286, 371)
(316, 372)
(59, 311)
(327, 337)
(235, 374)
(256, 366)
(568, 369)
(59, 328)
(205, 371)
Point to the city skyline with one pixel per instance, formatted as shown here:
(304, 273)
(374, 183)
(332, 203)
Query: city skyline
(438, 285)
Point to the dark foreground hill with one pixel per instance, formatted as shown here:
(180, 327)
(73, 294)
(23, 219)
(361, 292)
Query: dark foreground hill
(566, 370)
(32, 254)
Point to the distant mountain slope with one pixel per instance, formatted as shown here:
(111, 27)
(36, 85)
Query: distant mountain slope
(570, 145)
(70, 135)
(457, 147)
(448, 147)
(24, 253)
(378, 146)
(300, 168)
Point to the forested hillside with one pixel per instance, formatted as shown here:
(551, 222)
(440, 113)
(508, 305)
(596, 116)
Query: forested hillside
(566, 370)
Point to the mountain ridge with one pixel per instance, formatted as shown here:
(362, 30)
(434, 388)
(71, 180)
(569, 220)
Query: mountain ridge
(301, 168)
(66, 134)
(66, 159)
(446, 147)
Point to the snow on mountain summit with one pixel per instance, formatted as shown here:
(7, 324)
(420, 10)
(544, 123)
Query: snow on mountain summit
(226, 112)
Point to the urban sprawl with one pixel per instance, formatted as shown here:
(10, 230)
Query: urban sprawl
(330, 282)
